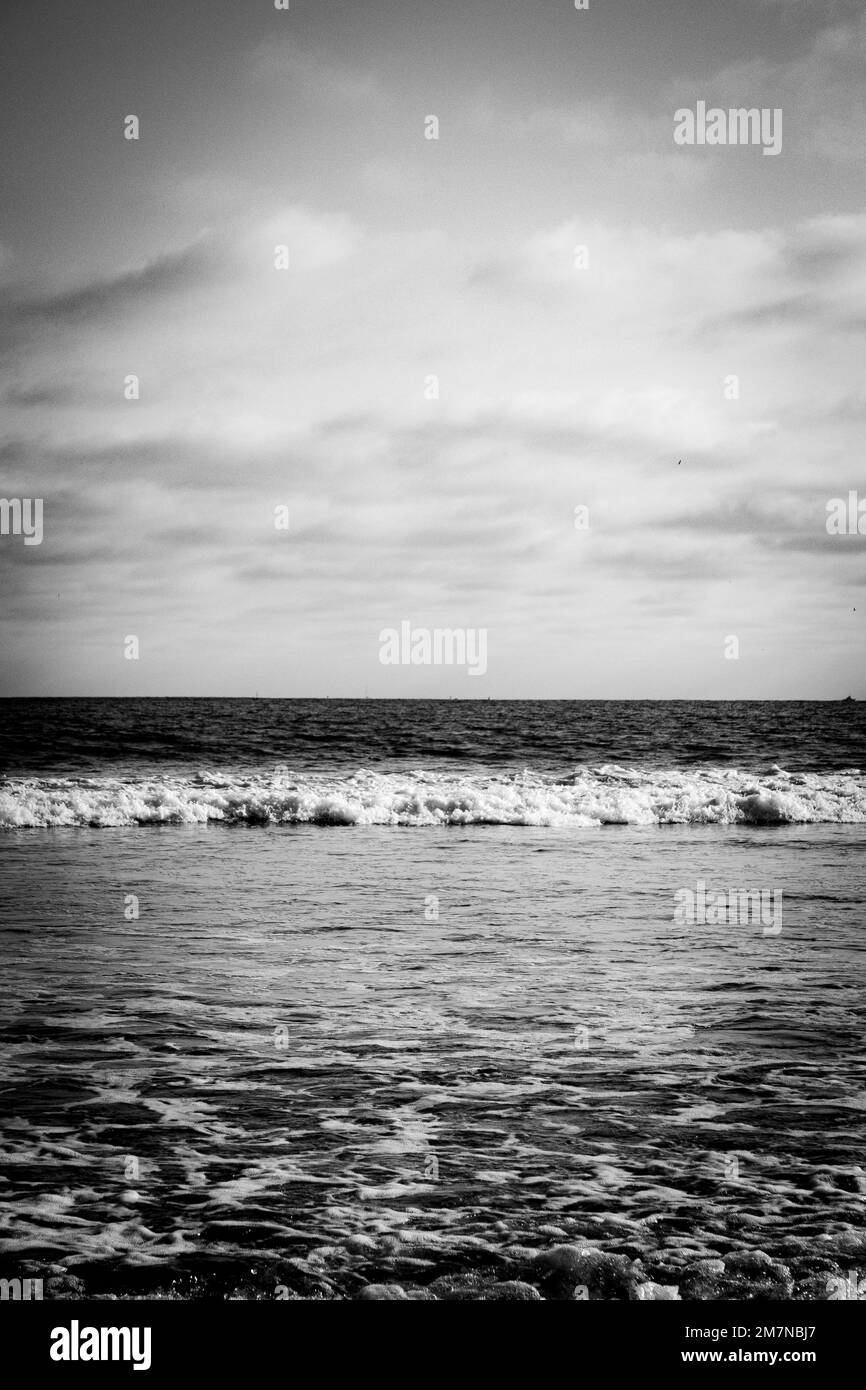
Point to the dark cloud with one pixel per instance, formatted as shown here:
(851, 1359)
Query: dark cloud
(166, 275)
(737, 518)
(820, 542)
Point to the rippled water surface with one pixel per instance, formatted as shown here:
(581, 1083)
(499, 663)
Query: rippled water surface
(319, 1059)
(311, 997)
(141, 736)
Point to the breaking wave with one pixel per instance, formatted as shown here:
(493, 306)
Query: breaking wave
(604, 795)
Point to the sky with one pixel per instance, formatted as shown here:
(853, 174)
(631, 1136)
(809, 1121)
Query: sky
(551, 306)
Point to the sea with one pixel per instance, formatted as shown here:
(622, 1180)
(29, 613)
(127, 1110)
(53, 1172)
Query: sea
(433, 999)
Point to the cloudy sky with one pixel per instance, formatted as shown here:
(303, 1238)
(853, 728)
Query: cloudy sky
(564, 379)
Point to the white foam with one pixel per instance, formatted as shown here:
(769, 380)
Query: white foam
(604, 795)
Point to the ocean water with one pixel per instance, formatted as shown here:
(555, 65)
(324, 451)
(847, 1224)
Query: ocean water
(307, 998)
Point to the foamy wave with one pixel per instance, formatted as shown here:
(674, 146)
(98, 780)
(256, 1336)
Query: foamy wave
(607, 795)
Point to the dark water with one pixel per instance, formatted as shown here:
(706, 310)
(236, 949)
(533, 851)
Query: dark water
(254, 1043)
(550, 736)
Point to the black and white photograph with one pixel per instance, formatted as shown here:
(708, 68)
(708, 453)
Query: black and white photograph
(432, 672)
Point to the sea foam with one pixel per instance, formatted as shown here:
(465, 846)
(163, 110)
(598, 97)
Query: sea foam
(591, 796)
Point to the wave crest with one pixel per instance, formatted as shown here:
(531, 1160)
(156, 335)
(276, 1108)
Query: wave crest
(606, 795)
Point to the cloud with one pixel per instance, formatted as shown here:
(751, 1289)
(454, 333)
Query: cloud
(166, 275)
(312, 74)
(558, 386)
